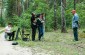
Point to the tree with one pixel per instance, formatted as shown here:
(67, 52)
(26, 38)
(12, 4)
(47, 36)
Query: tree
(26, 4)
(63, 21)
(18, 7)
(55, 15)
(10, 8)
(74, 4)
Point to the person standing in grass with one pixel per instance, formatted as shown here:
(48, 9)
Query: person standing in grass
(33, 26)
(40, 22)
(75, 24)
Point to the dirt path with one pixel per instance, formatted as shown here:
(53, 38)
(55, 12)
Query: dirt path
(7, 49)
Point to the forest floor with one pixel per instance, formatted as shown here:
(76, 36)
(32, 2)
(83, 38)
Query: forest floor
(57, 43)
(54, 43)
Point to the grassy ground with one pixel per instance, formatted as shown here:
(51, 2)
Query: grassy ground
(57, 43)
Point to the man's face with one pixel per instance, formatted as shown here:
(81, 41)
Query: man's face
(41, 16)
(73, 12)
(9, 25)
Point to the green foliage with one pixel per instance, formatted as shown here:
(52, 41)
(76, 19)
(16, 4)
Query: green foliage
(47, 7)
(10, 8)
(23, 21)
(81, 12)
(1, 22)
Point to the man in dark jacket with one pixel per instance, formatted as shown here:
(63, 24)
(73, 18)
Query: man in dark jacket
(33, 26)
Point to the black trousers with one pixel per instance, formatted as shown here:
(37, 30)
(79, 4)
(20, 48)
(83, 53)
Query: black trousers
(33, 33)
(11, 35)
(75, 32)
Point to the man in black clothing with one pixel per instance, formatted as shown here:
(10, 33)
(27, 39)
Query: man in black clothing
(33, 26)
(11, 35)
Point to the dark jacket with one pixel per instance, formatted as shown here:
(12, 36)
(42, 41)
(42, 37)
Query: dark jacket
(32, 21)
(39, 23)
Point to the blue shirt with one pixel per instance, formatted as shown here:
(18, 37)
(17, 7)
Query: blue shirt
(74, 19)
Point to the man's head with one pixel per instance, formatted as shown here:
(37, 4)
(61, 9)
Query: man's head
(73, 12)
(9, 24)
(38, 15)
(33, 14)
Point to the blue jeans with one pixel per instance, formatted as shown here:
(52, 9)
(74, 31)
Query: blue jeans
(41, 32)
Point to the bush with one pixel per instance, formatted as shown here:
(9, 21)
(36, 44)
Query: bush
(82, 34)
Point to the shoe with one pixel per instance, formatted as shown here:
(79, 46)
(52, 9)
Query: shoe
(9, 40)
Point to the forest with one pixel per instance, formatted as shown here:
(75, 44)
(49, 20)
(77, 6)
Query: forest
(58, 36)
(57, 12)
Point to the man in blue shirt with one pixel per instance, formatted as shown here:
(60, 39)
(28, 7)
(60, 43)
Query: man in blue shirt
(75, 24)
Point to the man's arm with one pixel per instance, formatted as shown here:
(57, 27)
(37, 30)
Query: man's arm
(76, 20)
(77, 23)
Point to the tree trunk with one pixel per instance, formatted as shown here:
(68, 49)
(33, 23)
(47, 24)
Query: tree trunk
(16, 7)
(26, 4)
(22, 5)
(55, 15)
(74, 4)
(1, 8)
(19, 9)
(63, 21)
(2, 23)
(64, 2)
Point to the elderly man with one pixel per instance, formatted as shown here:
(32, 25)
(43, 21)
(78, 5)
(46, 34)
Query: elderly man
(75, 24)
